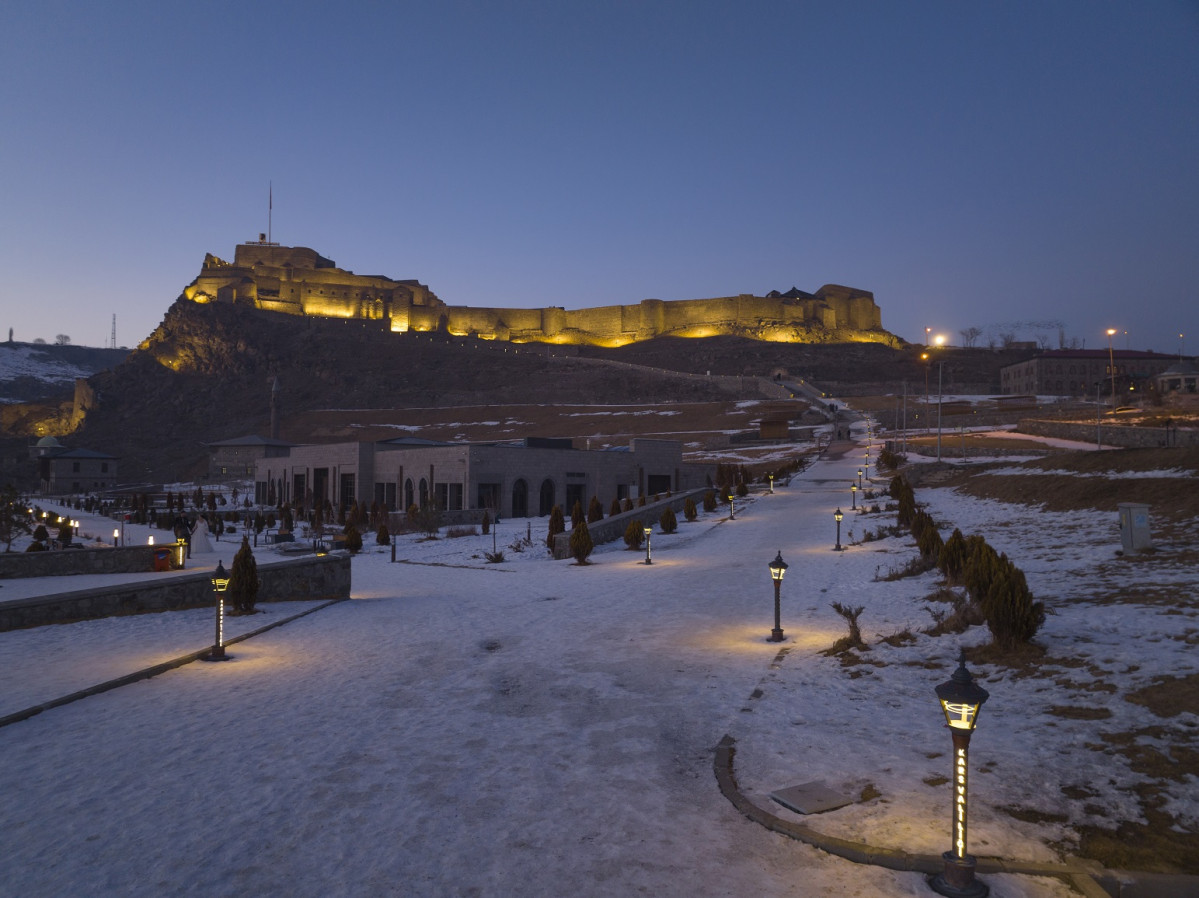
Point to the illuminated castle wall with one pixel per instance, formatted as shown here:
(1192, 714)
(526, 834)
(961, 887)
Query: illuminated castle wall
(300, 281)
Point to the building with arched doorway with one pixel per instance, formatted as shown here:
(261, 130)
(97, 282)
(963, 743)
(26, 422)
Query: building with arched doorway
(520, 479)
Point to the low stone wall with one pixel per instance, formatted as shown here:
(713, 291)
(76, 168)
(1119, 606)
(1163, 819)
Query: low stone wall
(1126, 436)
(305, 579)
(87, 560)
(613, 528)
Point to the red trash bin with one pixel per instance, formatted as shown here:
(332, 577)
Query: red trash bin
(162, 559)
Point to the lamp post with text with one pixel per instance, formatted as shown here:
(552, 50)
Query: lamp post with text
(961, 699)
(778, 567)
(837, 516)
(647, 531)
(220, 582)
(1111, 363)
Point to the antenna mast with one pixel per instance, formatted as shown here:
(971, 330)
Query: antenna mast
(114, 331)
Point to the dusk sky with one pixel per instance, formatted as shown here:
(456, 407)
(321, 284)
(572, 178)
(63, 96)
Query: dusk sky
(1017, 166)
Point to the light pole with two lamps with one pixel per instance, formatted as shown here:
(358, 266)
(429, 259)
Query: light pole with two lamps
(778, 567)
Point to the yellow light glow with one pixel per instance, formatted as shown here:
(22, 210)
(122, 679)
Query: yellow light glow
(939, 339)
(960, 716)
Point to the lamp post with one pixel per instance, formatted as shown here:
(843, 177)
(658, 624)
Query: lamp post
(859, 478)
(732, 511)
(961, 699)
(778, 567)
(853, 491)
(837, 516)
(940, 399)
(220, 582)
(770, 478)
(648, 557)
(116, 535)
(1111, 363)
(927, 368)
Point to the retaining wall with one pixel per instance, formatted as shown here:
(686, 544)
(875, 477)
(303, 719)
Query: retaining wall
(613, 528)
(90, 560)
(318, 577)
(1126, 436)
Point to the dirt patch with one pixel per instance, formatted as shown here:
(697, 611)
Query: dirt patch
(1169, 696)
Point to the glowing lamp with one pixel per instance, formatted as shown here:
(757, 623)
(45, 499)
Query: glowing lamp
(961, 699)
(220, 583)
(853, 492)
(116, 535)
(770, 478)
(838, 515)
(648, 531)
(859, 478)
(778, 568)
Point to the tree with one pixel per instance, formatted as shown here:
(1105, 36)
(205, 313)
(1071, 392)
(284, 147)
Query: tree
(62, 340)
(557, 525)
(710, 500)
(243, 579)
(595, 511)
(14, 517)
(353, 538)
(634, 534)
(382, 535)
(690, 512)
(580, 543)
(614, 508)
(576, 514)
(970, 335)
(668, 522)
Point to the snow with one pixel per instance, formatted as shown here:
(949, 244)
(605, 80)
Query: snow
(32, 362)
(539, 728)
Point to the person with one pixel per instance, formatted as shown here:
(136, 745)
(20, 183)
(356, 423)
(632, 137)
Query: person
(199, 537)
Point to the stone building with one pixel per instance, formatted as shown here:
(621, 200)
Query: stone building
(298, 280)
(63, 471)
(237, 459)
(1082, 372)
(523, 479)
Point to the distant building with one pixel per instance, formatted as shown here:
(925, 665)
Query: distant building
(1082, 372)
(61, 470)
(517, 480)
(1182, 377)
(237, 459)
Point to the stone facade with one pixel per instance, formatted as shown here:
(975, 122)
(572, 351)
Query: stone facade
(299, 281)
(1079, 372)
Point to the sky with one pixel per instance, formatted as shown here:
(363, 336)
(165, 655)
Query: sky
(1020, 167)
(535, 727)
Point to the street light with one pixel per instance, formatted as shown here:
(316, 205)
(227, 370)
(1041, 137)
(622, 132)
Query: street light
(853, 491)
(940, 398)
(732, 511)
(770, 477)
(778, 567)
(220, 582)
(648, 531)
(116, 534)
(837, 516)
(859, 478)
(1111, 363)
(961, 699)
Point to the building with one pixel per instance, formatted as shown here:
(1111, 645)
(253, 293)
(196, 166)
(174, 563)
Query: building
(523, 479)
(1182, 378)
(61, 470)
(237, 459)
(1082, 372)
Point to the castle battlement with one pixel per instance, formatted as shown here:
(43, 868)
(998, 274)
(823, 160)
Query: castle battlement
(299, 281)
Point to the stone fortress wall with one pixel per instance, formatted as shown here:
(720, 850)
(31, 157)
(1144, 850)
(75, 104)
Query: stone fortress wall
(299, 281)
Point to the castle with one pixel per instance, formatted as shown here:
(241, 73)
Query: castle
(299, 281)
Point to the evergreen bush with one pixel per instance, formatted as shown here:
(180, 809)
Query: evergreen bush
(485, 524)
(614, 508)
(557, 525)
(668, 523)
(580, 542)
(353, 538)
(689, 509)
(595, 511)
(952, 560)
(634, 534)
(742, 489)
(576, 514)
(710, 500)
(243, 580)
(383, 536)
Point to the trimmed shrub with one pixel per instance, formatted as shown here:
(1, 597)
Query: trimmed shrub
(485, 524)
(580, 543)
(353, 538)
(557, 525)
(742, 489)
(576, 514)
(952, 560)
(641, 501)
(710, 500)
(243, 579)
(595, 511)
(614, 508)
(929, 542)
(383, 535)
(626, 505)
(689, 510)
(634, 534)
(668, 522)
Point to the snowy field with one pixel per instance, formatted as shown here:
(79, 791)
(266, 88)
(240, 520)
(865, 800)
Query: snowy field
(539, 728)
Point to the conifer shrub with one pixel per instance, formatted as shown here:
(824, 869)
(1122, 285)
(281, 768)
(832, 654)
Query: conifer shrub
(906, 512)
(383, 536)
(742, 489)
(614, 508)
(1013, 617)
(641, 501)
(243, 579)
(710, 500)
(40, 534)
(952, 559)
(895, 487)
(634, 534)
(668, 522)
(689, 510)
(353, 537)
(557, 525)
(485, 524)
(626, 505)
(930, 544)
(576, 514)
(580, 543)
(64, 533)
(595, 511)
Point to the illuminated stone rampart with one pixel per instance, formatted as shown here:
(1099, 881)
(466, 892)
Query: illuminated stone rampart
(299, 281)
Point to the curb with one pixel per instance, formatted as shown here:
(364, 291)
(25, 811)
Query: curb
(1086, 881)
(154, 671)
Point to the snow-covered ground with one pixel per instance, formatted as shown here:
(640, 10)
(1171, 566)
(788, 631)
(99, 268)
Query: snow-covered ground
(539, 728)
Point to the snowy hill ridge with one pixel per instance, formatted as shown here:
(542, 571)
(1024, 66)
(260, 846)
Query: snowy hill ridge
(31, 371)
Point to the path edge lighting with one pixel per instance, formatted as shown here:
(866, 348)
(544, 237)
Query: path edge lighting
(961, 700)
(648, 557)
(778, 568)
(220, 583)
(838, 516)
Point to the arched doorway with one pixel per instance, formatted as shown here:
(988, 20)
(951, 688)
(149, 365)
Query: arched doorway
(547, 497)
(520, 499)
(424, 493)
(409, 495)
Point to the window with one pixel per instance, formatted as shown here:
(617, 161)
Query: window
(74, 467)
(103, 467)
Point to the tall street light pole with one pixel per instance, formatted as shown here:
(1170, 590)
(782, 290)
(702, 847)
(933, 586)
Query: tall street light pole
(940, 397)
(1111, 363)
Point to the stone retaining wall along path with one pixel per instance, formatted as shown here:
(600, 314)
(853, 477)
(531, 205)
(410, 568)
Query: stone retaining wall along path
(316, 577)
